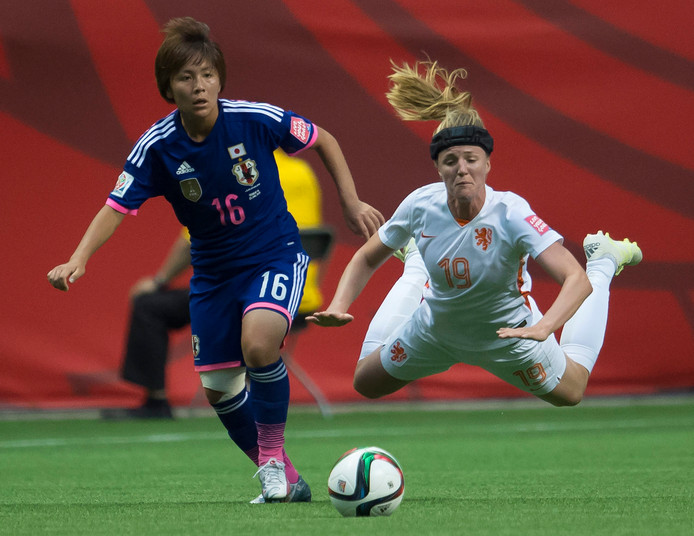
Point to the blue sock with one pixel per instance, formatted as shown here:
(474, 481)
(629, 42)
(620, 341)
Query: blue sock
(270, 396)
(236, 415)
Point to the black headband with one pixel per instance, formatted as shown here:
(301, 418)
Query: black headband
(467, 135)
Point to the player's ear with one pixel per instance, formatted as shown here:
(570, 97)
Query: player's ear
(436, 167)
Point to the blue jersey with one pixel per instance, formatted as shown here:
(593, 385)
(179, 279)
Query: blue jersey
(225, 189)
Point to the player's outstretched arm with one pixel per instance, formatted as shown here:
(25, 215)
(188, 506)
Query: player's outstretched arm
(99, 231)
(361, 217)
(563, 267)
(357, 273)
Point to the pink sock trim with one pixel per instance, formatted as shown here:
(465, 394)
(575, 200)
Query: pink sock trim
(289, 470)
(270, 442)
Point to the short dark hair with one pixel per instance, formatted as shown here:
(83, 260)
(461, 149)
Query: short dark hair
(186, 39)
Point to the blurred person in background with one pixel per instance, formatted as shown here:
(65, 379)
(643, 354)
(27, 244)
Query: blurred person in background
(156, 310)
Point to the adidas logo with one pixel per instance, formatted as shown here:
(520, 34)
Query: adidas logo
(590, 249)
(184, 168)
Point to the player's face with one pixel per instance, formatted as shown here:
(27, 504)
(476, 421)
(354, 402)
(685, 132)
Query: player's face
(464, 169)
(195, 89)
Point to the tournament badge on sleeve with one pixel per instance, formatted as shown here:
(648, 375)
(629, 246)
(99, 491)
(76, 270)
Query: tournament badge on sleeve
(124, 181)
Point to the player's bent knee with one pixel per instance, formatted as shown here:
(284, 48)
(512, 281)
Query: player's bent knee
(256, 355)
(375, 384)
(366, 390)
(569, 391)
(367, 378)
(567, 403)
(563, 399)
(573, 400)
(260, 353)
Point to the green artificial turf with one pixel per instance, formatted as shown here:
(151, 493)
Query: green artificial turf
(591, 470)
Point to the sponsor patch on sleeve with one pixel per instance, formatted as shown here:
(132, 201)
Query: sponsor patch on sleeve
(536, 223)
(300, 129)
(124, 181)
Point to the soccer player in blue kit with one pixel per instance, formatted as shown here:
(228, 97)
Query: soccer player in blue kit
(212, 159)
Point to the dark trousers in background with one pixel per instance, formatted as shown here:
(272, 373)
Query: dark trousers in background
(153, 316)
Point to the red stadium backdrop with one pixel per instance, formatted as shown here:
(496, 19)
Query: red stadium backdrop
(591, 104)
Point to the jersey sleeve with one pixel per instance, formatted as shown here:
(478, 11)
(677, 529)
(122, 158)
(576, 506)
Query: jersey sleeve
(530, 231)
(133, 187)
(299, 133)
(398, 230)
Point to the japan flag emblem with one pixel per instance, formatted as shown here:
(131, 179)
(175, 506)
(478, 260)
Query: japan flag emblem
(237, 151)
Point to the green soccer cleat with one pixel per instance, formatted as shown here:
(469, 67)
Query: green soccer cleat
(624, 253)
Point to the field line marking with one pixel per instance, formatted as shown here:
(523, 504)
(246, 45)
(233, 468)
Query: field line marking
(538, 427)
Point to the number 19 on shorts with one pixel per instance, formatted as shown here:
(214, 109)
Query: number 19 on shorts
(533, 376)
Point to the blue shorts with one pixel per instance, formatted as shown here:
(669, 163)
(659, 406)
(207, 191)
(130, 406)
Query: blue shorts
(218, 304)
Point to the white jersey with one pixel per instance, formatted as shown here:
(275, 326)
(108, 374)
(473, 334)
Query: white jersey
(478, 276)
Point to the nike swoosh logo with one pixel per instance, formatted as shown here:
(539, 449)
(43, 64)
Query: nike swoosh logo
(427, 236)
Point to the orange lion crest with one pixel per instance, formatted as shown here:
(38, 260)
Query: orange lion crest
(483, 237)
(398, 353)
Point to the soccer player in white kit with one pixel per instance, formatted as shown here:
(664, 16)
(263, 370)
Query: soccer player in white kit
(464, 296)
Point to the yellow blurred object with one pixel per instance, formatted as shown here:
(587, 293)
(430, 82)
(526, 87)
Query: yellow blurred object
(301, 189)
(312, 298)
(304, 201)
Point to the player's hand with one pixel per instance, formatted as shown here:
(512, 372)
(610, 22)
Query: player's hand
(363, 219)
(69, 272)
(328, 319)
(536, 333)
(146, 285)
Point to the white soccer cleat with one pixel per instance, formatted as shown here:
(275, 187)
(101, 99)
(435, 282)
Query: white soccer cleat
(298, 492)
(623, 253)
(273, 481)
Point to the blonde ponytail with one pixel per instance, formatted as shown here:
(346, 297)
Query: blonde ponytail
(431, 96)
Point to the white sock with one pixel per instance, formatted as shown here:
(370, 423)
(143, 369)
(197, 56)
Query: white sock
(399, 304)
(584, 333)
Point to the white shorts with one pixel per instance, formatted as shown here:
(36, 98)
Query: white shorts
(411, 353)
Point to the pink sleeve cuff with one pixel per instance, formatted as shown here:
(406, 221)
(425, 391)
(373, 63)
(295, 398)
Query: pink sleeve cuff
(120, 208)
(314, 136)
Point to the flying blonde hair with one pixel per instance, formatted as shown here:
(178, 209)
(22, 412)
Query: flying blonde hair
(431, 96)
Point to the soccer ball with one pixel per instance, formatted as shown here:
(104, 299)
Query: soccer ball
(366, 482)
